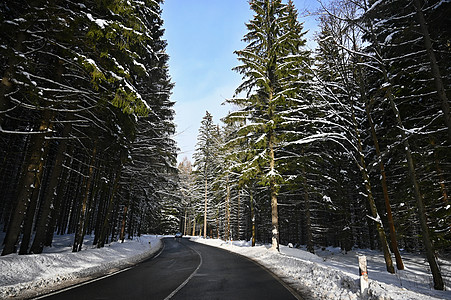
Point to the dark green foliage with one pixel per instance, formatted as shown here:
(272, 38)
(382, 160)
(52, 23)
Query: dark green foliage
(320, 122)
(91, 80)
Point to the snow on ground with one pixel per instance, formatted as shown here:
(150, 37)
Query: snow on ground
(23, 276)
(332, 274)
(328, 274)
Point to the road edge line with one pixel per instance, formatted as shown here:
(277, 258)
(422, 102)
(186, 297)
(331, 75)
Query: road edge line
(292, 290)
(189, 278)
(105, 274)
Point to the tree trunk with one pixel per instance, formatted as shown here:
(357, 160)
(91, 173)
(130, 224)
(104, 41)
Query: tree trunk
(307, 212)
(67, 197)
(371, 202)
(238, 217)
(106, 221)
(114, 220)
(205, 208)
(252, 218)
(131, 228)
(440, 173)
(101, 211)
(55, 212)
(31, 211)
(30, 181)
(79, 234)
(10, 176)
(391, 223)
(227, 211)
(430, 252)
(184, 222)
(217, 223)
(45, 221)
(194, 226)
(378, 222)
(89, 211)
(60, 212)
(273, 190)
(124, 218)
(28, 223)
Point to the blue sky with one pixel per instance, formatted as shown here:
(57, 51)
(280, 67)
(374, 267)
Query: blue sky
(202, 36)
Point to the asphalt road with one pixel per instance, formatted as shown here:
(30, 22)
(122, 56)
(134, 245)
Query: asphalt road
(185, 270)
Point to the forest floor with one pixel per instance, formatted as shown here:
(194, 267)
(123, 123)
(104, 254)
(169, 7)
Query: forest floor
(327, 274)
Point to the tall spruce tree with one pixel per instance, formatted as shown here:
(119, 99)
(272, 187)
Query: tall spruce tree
(271, 70)
(204, 161)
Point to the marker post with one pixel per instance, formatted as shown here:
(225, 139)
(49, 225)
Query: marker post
(363, 271)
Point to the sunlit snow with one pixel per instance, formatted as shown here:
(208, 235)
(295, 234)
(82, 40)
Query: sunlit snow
(330, 273)
(334, 274)
(29, 275)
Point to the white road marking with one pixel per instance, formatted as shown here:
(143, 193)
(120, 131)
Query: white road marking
(189, 278)
(92, 280)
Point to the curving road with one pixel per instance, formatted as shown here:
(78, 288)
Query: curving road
(185, 270)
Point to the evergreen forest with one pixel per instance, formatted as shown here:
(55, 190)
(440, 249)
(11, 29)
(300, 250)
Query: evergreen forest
(347, 145)
(86, 122)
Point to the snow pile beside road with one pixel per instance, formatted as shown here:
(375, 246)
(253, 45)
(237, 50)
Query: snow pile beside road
(30, 275)
(332, 274)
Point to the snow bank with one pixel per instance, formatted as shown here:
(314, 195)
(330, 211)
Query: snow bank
(328, 274)
(332, 274)
(31, 275)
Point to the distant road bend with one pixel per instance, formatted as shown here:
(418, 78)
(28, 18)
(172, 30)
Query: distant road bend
(185, 270)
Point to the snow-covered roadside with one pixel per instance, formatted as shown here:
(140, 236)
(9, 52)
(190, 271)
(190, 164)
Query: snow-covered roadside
(23, 276)
(331, 274)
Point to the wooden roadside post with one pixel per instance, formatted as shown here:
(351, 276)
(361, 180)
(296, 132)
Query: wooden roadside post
(363, 271)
